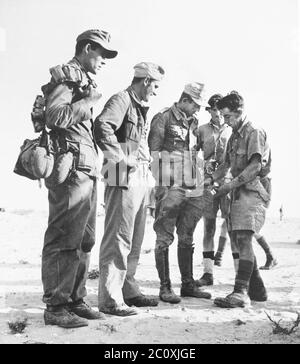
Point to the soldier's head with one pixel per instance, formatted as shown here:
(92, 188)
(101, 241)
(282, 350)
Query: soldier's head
(92, 49)
(192, 98)
(232, 108)
(215, 113)
(147, 78)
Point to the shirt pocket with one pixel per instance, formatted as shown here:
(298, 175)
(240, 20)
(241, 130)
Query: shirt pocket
(132, 127)
(241, 158)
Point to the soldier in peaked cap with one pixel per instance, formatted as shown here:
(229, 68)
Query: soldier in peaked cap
(179, 176)
(120, 132)
(70, 236)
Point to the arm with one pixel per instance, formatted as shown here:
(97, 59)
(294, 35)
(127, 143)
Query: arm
(107, 123)
(156, 141)
(61, 112)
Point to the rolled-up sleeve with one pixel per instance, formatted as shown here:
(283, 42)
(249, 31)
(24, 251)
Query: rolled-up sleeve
(256, 144)
(108, 122)
(61, 112)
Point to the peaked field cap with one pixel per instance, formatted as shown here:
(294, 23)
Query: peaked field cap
(149, 69)
(197, 92)
(100, 37)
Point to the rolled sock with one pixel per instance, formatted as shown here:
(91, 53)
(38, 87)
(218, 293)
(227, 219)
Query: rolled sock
(208, 262)
(243, 275)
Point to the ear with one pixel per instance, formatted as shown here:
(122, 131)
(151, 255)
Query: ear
(147, 81)
(87, 48)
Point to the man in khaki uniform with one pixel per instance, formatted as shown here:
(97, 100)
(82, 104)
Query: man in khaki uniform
(120, 132)
(172, 141)
(70, 235)
(212, 140)
(249, 158)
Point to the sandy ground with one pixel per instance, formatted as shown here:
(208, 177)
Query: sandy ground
(193, 321)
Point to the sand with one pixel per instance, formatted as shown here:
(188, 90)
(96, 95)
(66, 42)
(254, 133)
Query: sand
(192, 321)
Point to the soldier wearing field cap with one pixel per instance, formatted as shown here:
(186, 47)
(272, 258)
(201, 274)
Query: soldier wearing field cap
(120, 132)
(179, 176)
(70, 236)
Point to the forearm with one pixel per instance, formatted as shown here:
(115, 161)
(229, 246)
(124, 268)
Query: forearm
(248, 174)
(62, 113)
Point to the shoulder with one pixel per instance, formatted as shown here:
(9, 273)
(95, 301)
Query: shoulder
(252, 128)
(163, 115)
(68, 73)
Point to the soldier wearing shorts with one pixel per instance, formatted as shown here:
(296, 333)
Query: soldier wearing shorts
(212, 140)
(249, 158)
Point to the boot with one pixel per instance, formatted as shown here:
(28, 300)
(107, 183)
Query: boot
(233, 300)
(220, 251)
(270, 262)
(62, 317)
(166, 292)
(206, 280)
(188, 286)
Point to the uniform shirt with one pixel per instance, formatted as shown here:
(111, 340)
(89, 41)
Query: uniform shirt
(172, 132)
(212, 140)
(247, 141)
(70, 116)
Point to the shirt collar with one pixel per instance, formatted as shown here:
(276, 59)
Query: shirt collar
(243, 123)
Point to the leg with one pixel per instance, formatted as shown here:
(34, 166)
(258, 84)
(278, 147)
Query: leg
(190, 214)
(239, 297)
(168, 206)
(121, 207)
(131, 291)
(222, 244)
(208, 252)
(270, 259)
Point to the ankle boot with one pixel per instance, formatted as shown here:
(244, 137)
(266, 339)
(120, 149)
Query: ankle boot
(166, 292)
(188, 286)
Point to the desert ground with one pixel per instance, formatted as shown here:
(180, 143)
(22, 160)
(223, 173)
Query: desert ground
(193, 321)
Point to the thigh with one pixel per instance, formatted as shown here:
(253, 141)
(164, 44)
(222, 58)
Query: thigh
(189, 216)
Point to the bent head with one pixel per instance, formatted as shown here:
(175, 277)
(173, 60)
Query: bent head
(91, 55)
(188, 105)
(232, 109)
(215, 113)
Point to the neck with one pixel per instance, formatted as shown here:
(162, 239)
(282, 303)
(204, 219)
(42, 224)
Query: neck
(216, 122)
(138, 91)
(81, 61)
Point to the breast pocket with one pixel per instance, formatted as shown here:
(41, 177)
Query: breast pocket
(133, 127)
(241, 158)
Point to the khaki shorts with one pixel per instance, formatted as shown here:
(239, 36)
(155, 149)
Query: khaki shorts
(213, 205)
(247, 210)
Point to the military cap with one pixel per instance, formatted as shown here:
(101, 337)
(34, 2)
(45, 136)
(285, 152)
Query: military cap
(100, 37)
(149, 69)
(197, 92)
(212, 102)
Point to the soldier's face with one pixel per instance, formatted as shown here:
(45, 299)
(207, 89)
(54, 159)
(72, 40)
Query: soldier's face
(190, 108)
(216, 115)
(149, 89)
(231, 118)
(94, 60)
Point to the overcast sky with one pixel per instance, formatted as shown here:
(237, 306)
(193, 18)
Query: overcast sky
(247, 45)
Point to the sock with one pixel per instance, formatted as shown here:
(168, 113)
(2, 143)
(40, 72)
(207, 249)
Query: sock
(243, 275)
(208, 261)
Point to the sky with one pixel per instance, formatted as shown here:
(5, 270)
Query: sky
(251, 46)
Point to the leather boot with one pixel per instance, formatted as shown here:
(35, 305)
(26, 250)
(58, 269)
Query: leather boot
(166, 292)
(188, 286)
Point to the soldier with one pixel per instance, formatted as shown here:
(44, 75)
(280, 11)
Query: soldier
(70, 235)
(249, 159)
(212, 140)
(172, 143)
(120, 132)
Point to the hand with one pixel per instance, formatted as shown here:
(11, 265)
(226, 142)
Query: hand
(92, 95)
(131, 161)
(223, 190)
